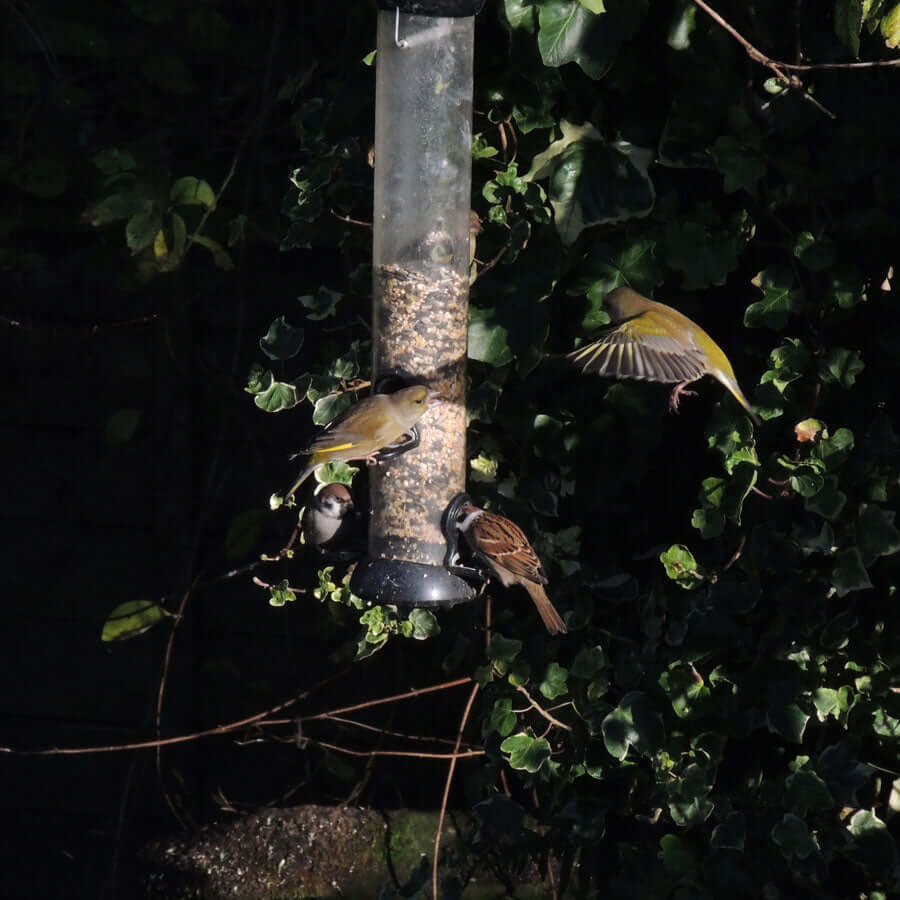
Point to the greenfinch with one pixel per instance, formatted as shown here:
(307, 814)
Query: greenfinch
(501, 544)
(650, 341)
(365, 428)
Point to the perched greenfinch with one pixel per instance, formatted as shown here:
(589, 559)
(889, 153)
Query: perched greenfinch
(650, 341)
(501, 544)
(365, 428)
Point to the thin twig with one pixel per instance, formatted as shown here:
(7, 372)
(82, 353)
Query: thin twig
(415, 754)
(449, 781)
(348, 220)
(737, 553)
(414, 692)
(163, 679)
(758, 56)
(208, 211)
(540, 709)
(384, 731)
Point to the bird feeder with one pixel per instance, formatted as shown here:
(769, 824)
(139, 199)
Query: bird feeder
(423, 175)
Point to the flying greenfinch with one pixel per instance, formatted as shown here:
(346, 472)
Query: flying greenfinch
(650, 341)
(501, 544)
(365, 428)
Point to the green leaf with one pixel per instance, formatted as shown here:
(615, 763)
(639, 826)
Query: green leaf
(130, 619)
(502, 652)
(113, 161)
(424, 623)
(874, 847)
(793, 837)
(190, 191)
(488, 340)
(807, 484)
(121, 426)
(840, 366)
(817, 254)
(571, 33)
(220, 255)
(281, 341)
(595, 6)
(682, 567)
(502, 718)
(329, 407)
(781, 297)
(850, 574)
(116, 207)
(789, 721)
(141, 229)
(876, 533)
(829, 501)
(730, 834)
(805, 792)
(676, 856)
(244, 533)
(281, 594)
(588, 662)
(848, 19)
(743, 168)
(526, 752)
(593, 182)
(834, 450)
(890, 28)
(553, 684)
(706, 250)
(633, 723)
(323, 305)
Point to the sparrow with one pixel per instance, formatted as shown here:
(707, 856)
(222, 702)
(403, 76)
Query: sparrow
(365, 428)
(501, 544)
(650, 341)
(328, 516)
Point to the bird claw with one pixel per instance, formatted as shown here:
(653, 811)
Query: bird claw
(449, 526)
(409, 441)
(679, 392)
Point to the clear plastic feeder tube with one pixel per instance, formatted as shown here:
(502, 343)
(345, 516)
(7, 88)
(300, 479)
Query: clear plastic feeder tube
(423, 152)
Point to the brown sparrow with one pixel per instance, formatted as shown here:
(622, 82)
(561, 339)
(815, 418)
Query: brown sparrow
(502, 545)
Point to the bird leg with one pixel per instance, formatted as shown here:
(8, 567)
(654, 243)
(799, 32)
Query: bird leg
(677, 393)
(408, 441)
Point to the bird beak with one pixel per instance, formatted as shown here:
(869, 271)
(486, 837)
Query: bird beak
(434, 398)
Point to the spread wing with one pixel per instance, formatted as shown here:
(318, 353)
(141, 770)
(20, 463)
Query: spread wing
(503, 544)
(642, 348)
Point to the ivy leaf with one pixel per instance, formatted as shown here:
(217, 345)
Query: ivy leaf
(593, 182)
(122, 425)
(730, 834)
(244, 532)
(817, 254)
(141, 229)
(282, 340)
(848, 19)
(890, 28)
(502, 718)
(488, 339)
(834, 450)
(502, 652)
(526, 752)
(588, 662)
(840, 366)
(633, 723)
(706, 252)
(876, 533)
(742, 167)
(850, 574)
(329, 407)
(873, 847)
(424, 624)
(829, 501)
(571, 33)
(190, 191)
(788, 720)
(682, 567)
(132, 618)
(805, 792)
(554, 684)
(323, 305)
(781, 297)
(793, 837)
